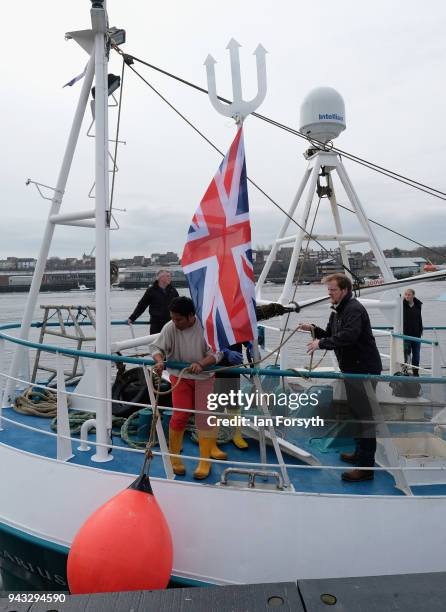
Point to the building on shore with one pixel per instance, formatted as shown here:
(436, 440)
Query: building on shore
(139, 272)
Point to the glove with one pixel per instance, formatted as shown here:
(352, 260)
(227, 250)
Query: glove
(249, 350)
(233, 357)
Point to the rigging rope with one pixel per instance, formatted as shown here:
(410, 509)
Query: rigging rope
(299, 272)
(371, 165)
(128, 59)
(222, 154)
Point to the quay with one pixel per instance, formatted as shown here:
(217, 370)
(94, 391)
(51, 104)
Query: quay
(400, 593)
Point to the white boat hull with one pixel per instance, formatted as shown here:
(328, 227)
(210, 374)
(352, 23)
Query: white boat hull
(232, 535)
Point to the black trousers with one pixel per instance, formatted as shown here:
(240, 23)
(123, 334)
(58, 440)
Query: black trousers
(361, 410)
(156, 325)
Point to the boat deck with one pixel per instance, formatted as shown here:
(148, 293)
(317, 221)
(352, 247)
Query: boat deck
(313, 480)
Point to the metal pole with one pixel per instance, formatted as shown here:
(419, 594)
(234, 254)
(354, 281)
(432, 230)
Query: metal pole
(362, 218)
(267, 415)
(397, 315)
(437, 391)
(49, 229)
(337, 222)
(302, 230)
(64, 447)
(103, 368)
(275, 247)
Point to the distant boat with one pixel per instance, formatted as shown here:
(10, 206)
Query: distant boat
(373, 282)
(81, 288)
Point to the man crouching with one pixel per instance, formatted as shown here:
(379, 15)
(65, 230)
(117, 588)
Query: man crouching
(182, 339)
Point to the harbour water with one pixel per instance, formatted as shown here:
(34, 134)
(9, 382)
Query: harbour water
(123, 303)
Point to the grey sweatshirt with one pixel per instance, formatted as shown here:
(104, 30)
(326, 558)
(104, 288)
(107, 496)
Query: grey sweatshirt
(183, 345)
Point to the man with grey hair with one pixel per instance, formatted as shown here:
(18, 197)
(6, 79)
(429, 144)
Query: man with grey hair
(157, 298)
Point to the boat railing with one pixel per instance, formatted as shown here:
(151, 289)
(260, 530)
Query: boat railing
(395, 354)
(65, 440)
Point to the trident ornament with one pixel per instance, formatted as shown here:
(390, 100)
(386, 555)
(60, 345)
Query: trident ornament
(239, 108)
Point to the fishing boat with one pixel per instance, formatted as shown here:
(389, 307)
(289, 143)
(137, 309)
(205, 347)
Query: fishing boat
(372, 282)
(276, 511)
(81, 288)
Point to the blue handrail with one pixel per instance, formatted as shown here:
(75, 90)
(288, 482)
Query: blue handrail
(179, 365)
(416, 339)
(404, 337)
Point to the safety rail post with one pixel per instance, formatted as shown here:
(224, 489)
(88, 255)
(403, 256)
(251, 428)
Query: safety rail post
(396, 354)
(382, 432)
(271, 429)
(64, 448)
(159, 427)
(437, 392)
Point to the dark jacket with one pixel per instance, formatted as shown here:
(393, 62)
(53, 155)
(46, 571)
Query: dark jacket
(158, 301)
(412, 320)
(349, 334)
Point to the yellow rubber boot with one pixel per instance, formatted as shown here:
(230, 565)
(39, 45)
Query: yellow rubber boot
(204, 467)
(237, 438)
(217, 453)
(175, 445)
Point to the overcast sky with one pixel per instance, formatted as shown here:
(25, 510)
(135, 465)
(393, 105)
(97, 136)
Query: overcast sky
(387, 59)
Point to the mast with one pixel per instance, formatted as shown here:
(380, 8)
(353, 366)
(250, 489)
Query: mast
(103, 368)
(96, 43)
(20, 354)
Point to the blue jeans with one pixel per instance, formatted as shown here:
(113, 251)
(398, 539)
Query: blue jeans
(412, 349)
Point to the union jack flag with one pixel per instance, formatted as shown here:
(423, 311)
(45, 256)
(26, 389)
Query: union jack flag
(217, 257)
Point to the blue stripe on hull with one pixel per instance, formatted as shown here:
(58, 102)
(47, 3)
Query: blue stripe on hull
(30, 562)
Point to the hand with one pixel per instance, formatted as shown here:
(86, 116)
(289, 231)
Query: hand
(312, 346)
(129, 322)
(195, 368)
(159, 367)
(305, 326)
(234, 357)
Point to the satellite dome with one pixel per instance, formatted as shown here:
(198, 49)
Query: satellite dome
(322, 114)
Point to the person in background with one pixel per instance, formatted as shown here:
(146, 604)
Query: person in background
(412, 326)
(349, 334)
(157, 298)
(182, 339)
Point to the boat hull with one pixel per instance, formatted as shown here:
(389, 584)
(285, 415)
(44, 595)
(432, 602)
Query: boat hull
(229, 535)
(31, 563)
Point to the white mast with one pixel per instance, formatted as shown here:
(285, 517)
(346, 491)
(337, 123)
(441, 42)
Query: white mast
(94, 42)
(20, 353)
(103, 379)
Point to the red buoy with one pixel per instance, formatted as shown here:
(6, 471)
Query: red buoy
(124, 546)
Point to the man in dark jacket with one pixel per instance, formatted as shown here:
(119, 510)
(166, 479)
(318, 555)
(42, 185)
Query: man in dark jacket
(157, 298)
(412, 326)
(349, 334)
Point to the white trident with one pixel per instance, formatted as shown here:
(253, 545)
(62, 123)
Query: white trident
(239, 108)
